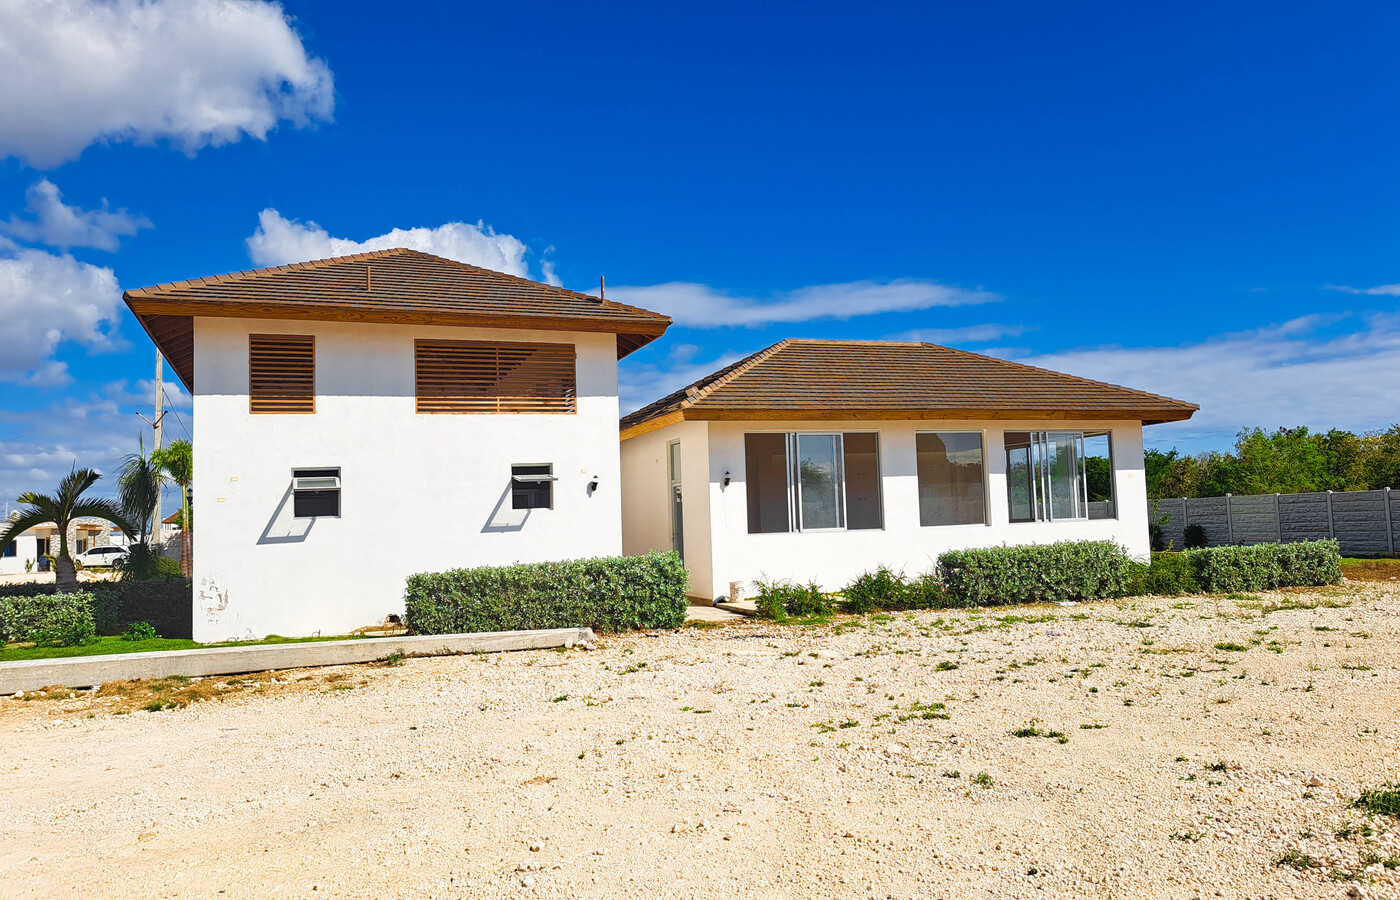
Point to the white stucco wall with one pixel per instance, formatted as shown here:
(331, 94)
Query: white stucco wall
(646, 498)
(420, 493)
(26, 548)
(833, 558)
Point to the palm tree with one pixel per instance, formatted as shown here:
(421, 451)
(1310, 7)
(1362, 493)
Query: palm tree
(62, 509)
(177, 461)
(138, 486)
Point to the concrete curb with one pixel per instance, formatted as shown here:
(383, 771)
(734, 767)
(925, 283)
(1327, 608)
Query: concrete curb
(85, 671)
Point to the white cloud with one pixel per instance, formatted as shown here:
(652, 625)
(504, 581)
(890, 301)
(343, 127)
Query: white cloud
(971, 334)
(93, 429)
(193, 72)
(59, 225)
(46, 299)
(643, 383)
(1381, 290)
(701, 306)
(279, 240)
(1284, 374)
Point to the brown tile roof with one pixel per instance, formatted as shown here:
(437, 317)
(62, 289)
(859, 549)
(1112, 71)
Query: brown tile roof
(396, 286)
(810, 379)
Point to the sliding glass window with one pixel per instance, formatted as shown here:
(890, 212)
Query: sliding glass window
(1050, 476)
(951, 478)
(812, 481)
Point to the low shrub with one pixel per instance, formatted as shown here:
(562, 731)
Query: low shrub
(606, 594)
(139, 631)
(1169, 575)
(1193, 537)
(1035, 573)
(886, 590)
(1238, 569)
(777, 600)
(167, 603)
(57, 620)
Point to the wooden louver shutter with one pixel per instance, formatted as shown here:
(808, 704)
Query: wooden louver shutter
(489, 377)
(281, 373)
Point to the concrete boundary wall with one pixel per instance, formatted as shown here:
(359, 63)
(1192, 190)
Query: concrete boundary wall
(86, 671)
(1365, 523)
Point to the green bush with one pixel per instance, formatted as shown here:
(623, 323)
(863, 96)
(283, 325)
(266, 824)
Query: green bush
(606, 594)
(777, 600)
(167, 603)
(1170, 574)
(139, 631)
(1035, 573)
(58, 620)
(883, 589)
(1193, 536)
(167, 568)
(1226, 570)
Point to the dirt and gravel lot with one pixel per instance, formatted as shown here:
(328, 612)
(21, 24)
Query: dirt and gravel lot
(1181, 748)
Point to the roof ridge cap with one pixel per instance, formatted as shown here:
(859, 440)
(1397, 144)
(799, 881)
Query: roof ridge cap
(694, 395)
(263, 271)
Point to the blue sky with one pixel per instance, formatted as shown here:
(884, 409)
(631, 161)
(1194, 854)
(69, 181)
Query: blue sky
(1191, 200)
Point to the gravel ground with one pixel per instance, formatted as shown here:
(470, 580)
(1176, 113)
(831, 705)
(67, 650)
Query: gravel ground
(869, 757)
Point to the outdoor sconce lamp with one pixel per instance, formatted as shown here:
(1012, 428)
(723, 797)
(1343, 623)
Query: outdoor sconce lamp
(592, 485)
(725, 481)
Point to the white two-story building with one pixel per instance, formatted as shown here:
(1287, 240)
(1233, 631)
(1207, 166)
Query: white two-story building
(363, 418)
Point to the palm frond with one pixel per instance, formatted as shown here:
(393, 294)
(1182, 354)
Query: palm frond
(25, 520)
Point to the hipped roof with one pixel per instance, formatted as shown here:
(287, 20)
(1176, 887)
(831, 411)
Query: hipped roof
(396, 286)
(812, 379)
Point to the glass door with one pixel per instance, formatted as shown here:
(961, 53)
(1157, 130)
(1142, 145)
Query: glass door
(821, 501)
(673, 461)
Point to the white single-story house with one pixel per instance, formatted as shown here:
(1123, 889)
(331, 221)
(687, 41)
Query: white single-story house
(23, 553)
(818, 460)
(337, 400)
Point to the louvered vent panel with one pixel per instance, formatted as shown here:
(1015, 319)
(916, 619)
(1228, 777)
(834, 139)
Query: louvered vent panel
(281, 373)
(486, 377)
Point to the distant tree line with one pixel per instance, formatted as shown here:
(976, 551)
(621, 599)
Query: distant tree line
(1286, 461)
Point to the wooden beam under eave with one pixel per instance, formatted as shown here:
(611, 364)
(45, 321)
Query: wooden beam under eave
(389, 316)
(871, 415)
(650, 425)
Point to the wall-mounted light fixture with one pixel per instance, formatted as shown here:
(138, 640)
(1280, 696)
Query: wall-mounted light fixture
(725, 481)
(592, 485)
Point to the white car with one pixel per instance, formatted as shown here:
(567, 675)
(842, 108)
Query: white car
(101, 556)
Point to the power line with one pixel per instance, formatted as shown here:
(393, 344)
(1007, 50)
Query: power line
(179, 420)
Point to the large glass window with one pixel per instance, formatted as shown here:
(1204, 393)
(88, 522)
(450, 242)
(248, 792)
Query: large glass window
(1049, 476)
(812, 481)
(951, 480)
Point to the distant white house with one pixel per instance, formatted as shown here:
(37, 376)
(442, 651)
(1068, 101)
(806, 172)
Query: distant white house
(818, 460)
(337, 402)
(25, 552)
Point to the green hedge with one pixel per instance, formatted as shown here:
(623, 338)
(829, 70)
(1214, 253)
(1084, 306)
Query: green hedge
(777, 600)
(606, 594)
(883, 589)
(1035, 573)
(167, 603)
(1223, 570)
(59, 620)
(1170, 574)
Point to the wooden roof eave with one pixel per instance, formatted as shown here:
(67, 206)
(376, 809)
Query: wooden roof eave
(700, 413)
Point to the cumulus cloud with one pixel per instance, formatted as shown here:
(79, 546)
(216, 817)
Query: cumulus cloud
(59, 225)
(970, 334)
(46, 299)
(93, 428)
(279, 240)
(701, 306)
(1310, 371)
(193, 72)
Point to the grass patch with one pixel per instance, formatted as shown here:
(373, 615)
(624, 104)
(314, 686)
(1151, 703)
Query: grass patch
(1029, 730)
(1381, 801)
(1231, 646)
(106, 645)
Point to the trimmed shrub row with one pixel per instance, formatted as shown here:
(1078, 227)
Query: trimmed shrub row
(58, 620)
(606, 594)
(1036, 573)
(1221, 570)
(166, 603)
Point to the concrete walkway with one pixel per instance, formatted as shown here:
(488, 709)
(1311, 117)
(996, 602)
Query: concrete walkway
(86, 671)
(711, 614)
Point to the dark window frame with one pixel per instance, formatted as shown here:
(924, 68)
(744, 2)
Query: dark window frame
(528, 490)
(316, 504)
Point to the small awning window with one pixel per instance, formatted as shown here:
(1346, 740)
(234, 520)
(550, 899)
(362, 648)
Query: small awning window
(318, 483)
(531, 479)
